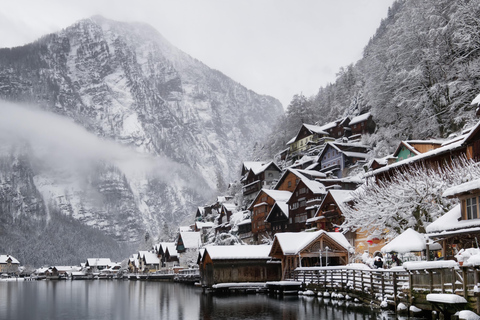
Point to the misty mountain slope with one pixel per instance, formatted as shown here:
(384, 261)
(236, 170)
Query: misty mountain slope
(161, 130)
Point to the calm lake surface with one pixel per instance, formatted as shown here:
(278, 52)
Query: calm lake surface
(110, 299)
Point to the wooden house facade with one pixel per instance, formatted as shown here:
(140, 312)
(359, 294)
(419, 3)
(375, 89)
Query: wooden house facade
(260, 175)
(237, 264)
(337, 158)
(301, 204)
(8, 264)
(362, 124)
(260, 207)
(308, 249)
(459, 228)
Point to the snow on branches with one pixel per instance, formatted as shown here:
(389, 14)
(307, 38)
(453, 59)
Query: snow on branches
(412, 198)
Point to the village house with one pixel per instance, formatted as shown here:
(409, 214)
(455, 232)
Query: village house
(412, 148)
(459, 228)
(257, 176)
(9, 264)
(237, 264)
(309, 249)
(171, 256)
(361, 125)
(133, 264)
(329, 214)
(338, 158)
(161, 250)
(260, 207)
(309, 138)
(148, 261)
(223, 220)
(245, 231)
(301, 205)
(95, 265)
(187, 247)
(465, 145)
(291, 177)
(279, 216)
(204, 228)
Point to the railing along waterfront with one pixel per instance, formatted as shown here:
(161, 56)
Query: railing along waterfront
(377, 284)
(397, 284)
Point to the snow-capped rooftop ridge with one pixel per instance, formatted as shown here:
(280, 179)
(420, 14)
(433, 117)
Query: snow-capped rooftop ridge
(463, 188)
(360, 118)
(278, 195)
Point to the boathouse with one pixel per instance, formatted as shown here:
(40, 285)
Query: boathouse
(308, 249)
(242, 263)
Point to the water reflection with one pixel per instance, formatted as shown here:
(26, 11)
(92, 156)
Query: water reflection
(104, 300)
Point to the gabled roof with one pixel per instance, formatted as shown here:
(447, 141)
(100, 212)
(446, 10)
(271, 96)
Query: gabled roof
(150, 258)
(301, 174)
(360, 151)
(360, 118)
(292, 243)
(276, 195)
(191, 239)
(5, 258)
(238, 252)
(171, 249)
(257, 167)
(282, 206)
(99, 262)
(310, 128)
(340, 197)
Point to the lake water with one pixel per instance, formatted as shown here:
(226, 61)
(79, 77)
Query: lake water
(107, 299)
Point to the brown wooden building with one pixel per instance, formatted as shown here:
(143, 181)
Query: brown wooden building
(301, 205)
(308, 249)
(260, 207)
(227, 264)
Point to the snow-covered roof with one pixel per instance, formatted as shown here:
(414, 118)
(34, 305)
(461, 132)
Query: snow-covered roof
(191, 239)
(462, 188)
(293, 242)
(451, 221)
(201, 225)
(312, 128)
(282, 205)
(172, 249)
(360, 118)
(341, 196)
(258, 167)
(230, 206)
(99, 262)
(5, 257)
(408, 241)
(239, 252)
(150, 258)
(278, 195)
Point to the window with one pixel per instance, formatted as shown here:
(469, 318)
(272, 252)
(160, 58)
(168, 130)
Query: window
(289, 183)
(472, 208)
(302, 190)
(294, 206)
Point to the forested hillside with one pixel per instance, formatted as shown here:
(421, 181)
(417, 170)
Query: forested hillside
(417, 76)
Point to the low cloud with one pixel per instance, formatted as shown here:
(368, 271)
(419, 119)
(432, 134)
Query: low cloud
(61, 144)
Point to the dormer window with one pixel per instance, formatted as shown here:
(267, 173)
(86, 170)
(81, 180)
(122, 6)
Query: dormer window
(471, 208)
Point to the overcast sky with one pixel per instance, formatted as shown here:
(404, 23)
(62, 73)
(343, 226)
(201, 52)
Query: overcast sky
(274, 47)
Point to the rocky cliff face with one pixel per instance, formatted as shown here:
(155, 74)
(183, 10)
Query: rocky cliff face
(166, 131)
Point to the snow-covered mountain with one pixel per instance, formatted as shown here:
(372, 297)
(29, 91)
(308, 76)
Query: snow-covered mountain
(118, 131)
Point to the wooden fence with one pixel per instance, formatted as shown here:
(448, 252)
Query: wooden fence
(379, 285)
(394, 285)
